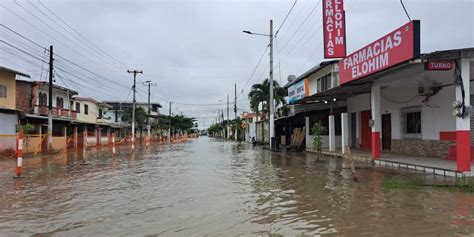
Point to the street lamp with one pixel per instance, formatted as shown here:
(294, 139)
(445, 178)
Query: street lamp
(272, 109)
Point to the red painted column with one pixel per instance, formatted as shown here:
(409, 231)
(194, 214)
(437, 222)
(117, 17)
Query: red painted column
(463, 124)
(463, 150)
(375, 145)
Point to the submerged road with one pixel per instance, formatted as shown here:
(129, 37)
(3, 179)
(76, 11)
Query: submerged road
(217, 188)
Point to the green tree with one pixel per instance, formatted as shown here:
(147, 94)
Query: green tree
(140, 117)
(260, 94)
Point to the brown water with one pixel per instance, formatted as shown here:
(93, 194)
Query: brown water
(215, 188)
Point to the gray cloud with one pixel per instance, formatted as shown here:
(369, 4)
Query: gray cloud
(195, 50)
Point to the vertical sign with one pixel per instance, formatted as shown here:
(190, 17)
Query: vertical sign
(334, 23)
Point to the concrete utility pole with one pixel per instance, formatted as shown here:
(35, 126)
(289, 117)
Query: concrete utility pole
(50, 100)
(272, 108)
(235, 100)
(227, 123)
(148, 126)
(169, 125)
(135, 72)
(271, 102)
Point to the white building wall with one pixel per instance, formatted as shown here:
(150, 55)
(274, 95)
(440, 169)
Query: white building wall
(436, 114)
(356, 104)
(56, 93)
(250, 132)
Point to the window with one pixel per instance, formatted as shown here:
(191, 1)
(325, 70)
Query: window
(43, 99)
(3, 91)
(86, 109)
(100, 114)
(154, 108)
(59, 102)
(324, 83)
(411, 119)
(78, 107)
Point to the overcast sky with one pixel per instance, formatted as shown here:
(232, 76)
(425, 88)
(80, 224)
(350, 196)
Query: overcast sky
(195, 50)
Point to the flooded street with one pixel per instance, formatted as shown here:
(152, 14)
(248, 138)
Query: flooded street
(216, 188)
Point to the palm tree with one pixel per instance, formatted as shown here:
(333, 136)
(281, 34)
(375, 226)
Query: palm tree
(260, 93)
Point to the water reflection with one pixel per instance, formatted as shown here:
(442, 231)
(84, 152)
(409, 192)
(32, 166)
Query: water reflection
(212, 187)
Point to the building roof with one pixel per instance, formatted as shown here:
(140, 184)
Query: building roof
(102, 104)
(73, 92)
(450, 54)
(311, 72)
(14, 72)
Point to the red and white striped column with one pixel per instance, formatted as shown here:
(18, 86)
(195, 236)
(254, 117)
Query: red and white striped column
(377, 124)
(463, 130)
(19, 152)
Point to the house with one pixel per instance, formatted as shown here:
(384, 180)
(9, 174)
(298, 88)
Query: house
(32, 102)
(91, 120)
(119, 107)
(8, 111)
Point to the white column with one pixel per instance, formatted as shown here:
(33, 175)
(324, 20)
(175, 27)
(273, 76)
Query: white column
(376, 117)
(307, 128)
(463, 130)
(332, 134)
(345, 132)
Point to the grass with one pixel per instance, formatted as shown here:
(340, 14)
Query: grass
(460, 185)
(392, 183)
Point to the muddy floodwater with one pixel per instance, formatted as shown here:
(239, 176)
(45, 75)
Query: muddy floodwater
(208, 187)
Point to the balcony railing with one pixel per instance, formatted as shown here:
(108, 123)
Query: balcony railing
(56, 112)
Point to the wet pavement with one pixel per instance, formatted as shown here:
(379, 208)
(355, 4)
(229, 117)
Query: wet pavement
(207, 187)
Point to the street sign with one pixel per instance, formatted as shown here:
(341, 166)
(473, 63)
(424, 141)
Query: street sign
(334, 23)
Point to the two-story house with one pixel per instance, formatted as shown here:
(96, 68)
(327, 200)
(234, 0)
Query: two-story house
(320, 78)
(119, 107)
(8, 111)
(92, 120)
(32, 100)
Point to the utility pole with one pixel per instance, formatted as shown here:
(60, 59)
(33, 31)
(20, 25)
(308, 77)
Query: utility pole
(169, 125)
(227, 122)
(134, 102)
(272, 113)
(235, 100)
(50, 100)
(271, 103)
(148, 126)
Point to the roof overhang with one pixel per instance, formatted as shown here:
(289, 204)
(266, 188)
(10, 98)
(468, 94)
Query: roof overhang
(14, 72)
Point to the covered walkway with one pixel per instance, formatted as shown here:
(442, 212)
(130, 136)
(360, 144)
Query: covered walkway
(426, 164)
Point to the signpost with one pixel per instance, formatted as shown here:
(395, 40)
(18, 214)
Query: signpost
(396, 47)
(334, 24)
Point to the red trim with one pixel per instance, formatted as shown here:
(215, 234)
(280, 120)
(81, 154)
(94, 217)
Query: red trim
(375, 145)
(447, 136)
(463, 150)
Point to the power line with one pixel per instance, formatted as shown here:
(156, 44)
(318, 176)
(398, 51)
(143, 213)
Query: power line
(302, 23)
(284, 20)
(92, 44)
(254, 70)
